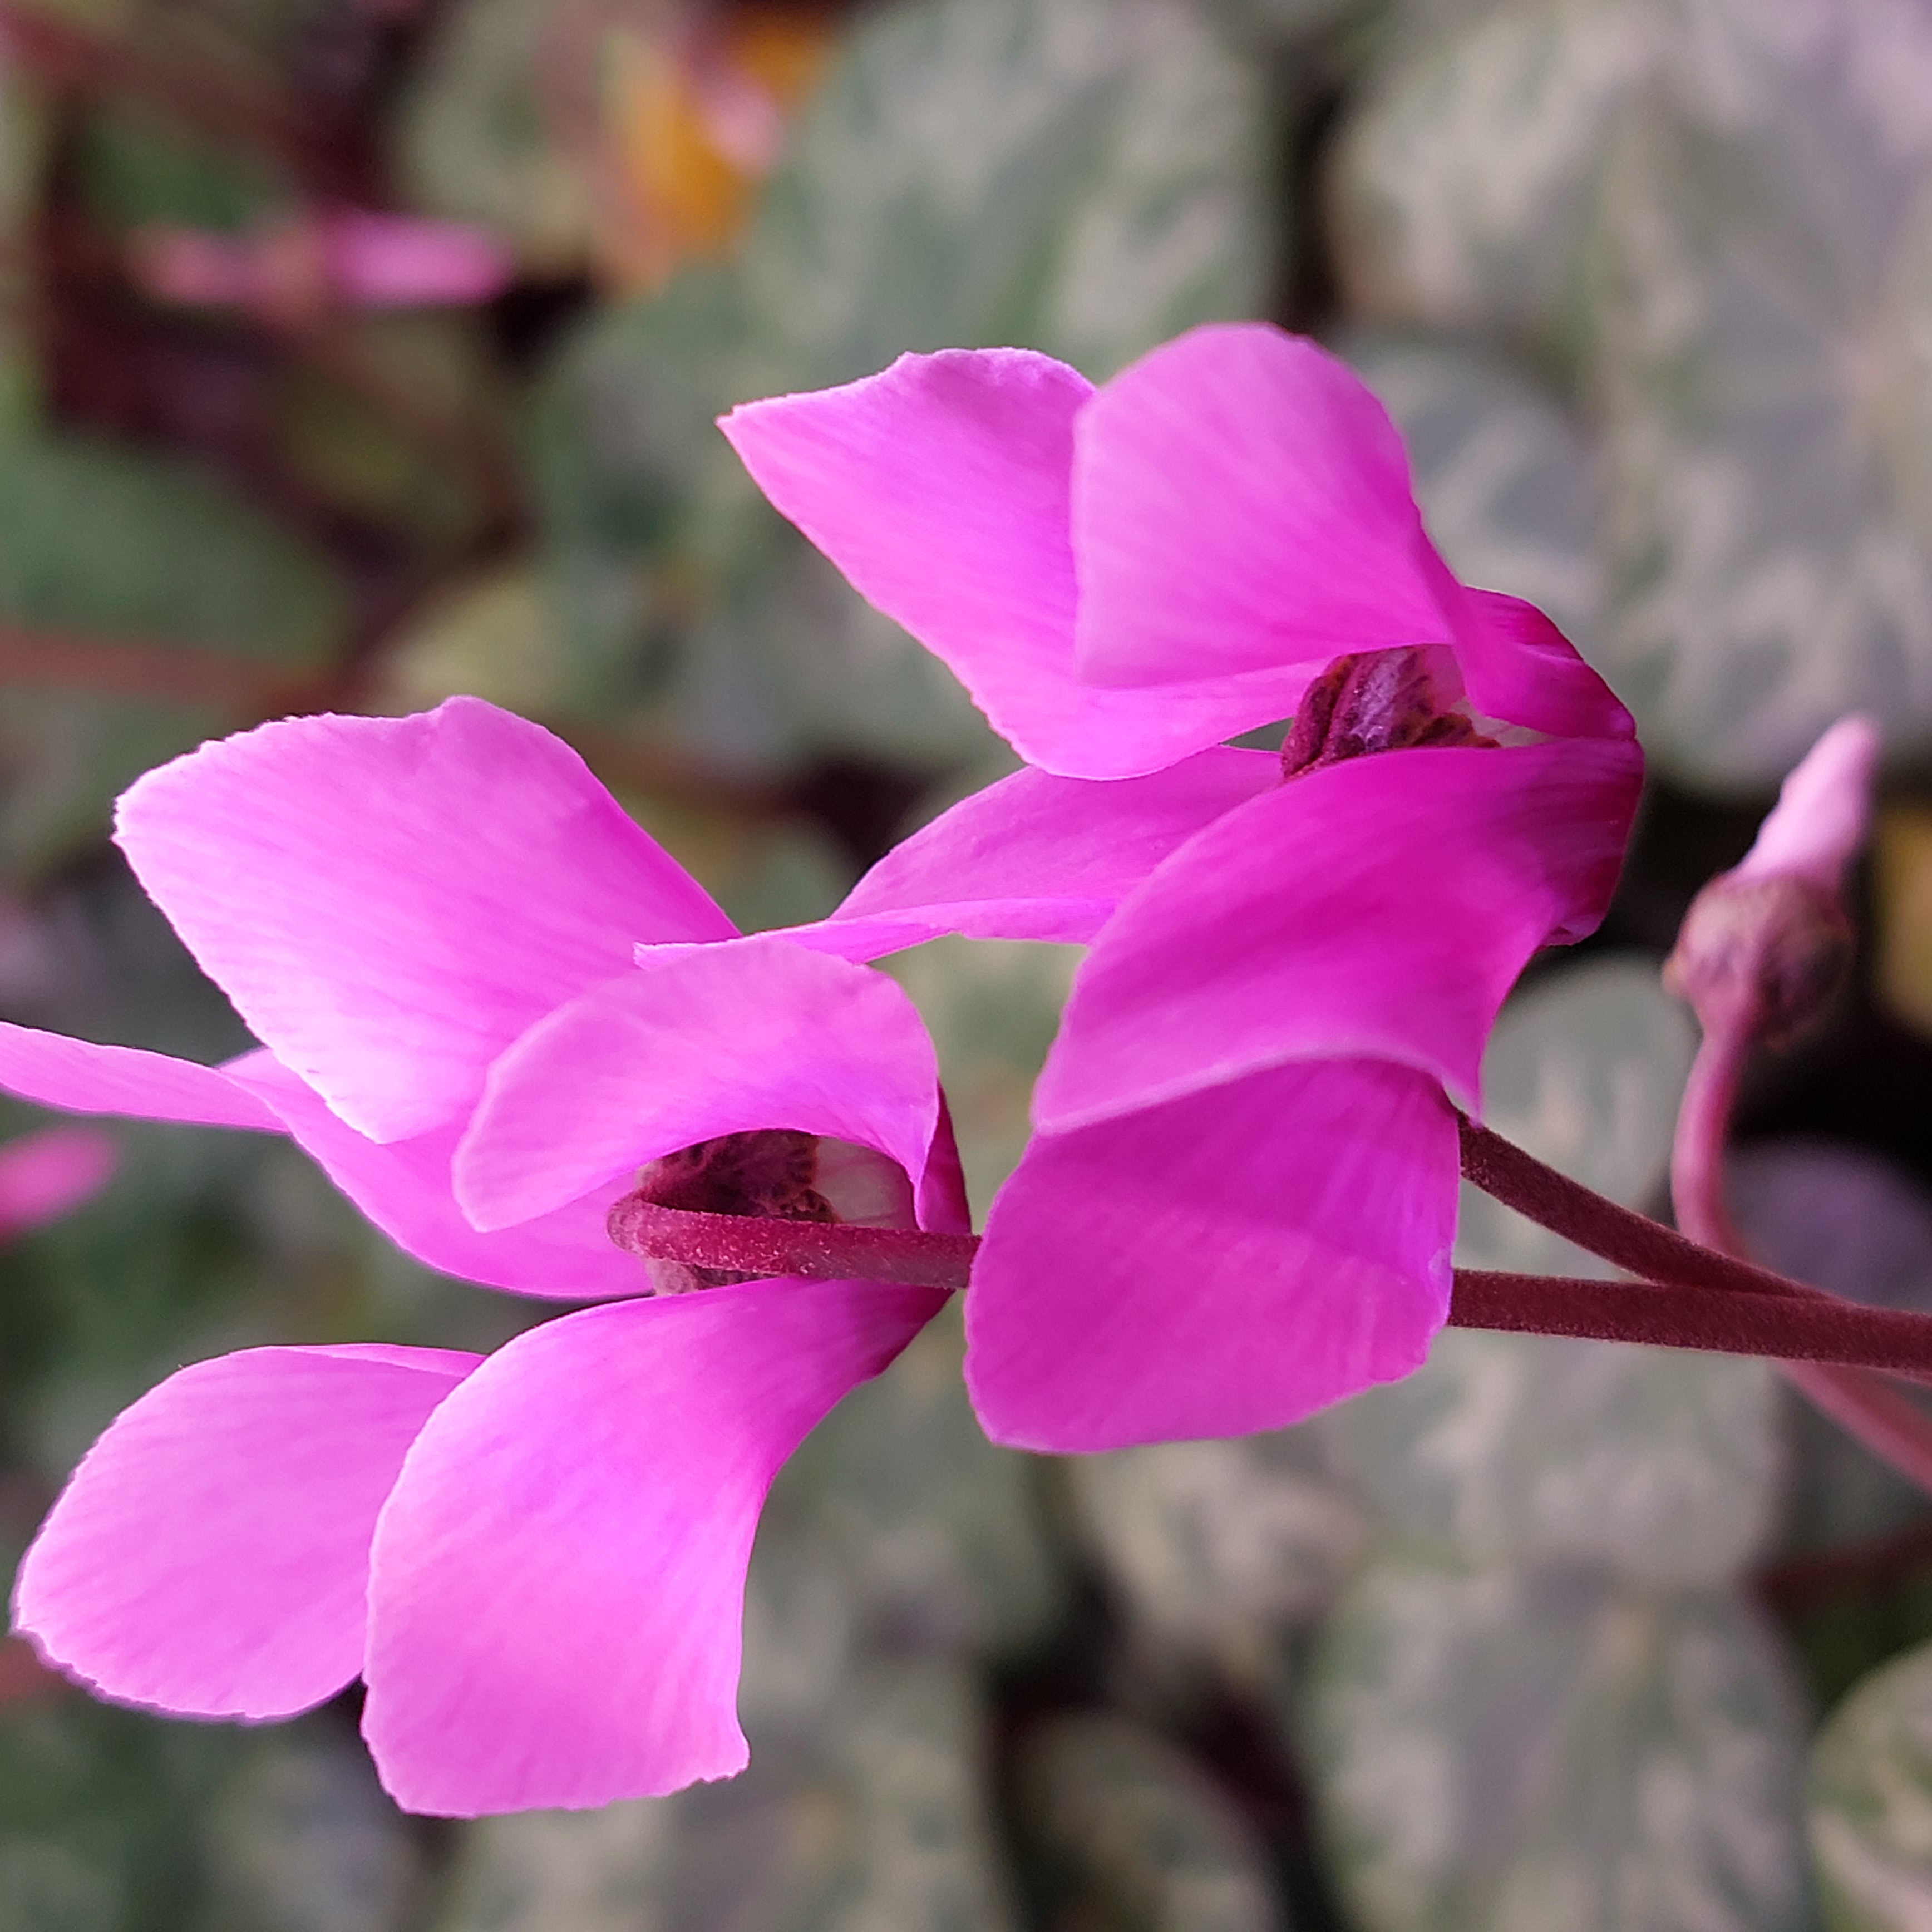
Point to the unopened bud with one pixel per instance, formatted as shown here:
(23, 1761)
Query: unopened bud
(1767, 945)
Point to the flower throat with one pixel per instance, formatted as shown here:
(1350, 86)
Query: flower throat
(1371, 701)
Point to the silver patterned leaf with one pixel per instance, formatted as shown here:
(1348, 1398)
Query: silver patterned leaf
(1869, 1799)
(1464, 178)
(1086, 177)
(1217, 1546)
(1502, 472)
(937, 1531)
(1134, 1837)
(1662, 1465)
(874, 1820)
(1764, 363)
(1512, 1751)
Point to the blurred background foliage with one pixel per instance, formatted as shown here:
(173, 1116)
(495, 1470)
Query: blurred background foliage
(1553, 1634)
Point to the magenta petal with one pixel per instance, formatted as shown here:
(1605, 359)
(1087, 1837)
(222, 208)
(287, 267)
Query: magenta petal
(389, 901)
(1378, 908)
(942, 489)
(211, 1554)
(79, 1077)
(1517, 665)
(1037, 857)
(557, 1588)
(44, 1175)
(693, 1042)
(404, 1188)
(1229, 1261)
(1241, 503)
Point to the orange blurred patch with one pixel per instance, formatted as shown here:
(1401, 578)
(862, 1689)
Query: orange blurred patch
(693, 124)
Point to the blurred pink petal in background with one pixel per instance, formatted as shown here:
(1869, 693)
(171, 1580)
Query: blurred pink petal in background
(43, 1175)
(349, 258)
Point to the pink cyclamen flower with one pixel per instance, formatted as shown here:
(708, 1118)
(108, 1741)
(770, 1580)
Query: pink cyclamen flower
(49, 1173)
(488, 1003)
(1240, 1200)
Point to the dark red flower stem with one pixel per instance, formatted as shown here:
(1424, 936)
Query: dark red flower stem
(1813, 1329)
(1767, 1316)
(1630, 1241)
(745, 1244)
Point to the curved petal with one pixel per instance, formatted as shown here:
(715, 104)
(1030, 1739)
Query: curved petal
(1241, 503)
(211, 1554)
(942, 489)
(694, 1042)
(1517, 666)
(80, 1077)
(1033, 857)
(404, 1188)
(1378, 908)
(46, 1175)
(1227, 1262)
(389, 901)
(557, 1592)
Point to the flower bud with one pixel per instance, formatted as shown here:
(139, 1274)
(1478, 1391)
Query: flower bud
(1767, 945)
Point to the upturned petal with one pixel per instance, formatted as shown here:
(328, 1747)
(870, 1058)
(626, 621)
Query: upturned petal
(389, 901)
(1228, 1261)
(1034, 857)
(1517, 666)
(557, 1588)
(1241, 503)
(692, 1043)
(1378, 908)
(80, 1077)
(404, 1187)
(211, 1554)
(942, 488)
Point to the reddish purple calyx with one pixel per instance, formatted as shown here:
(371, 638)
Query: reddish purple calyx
(767, 1174)
(1370, 701)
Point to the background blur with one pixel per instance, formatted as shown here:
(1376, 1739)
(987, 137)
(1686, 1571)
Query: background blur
(1554, 1636)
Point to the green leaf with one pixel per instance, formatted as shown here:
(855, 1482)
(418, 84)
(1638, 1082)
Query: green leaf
(1764, 364)
(115, 545)
(1079, 176)
(1514, 1750)
(1216, 1547)
(1502, 472)
(992, 1007)
(302, 1839)
(1869, 1797)
(938, 1530)
(473, 144)
(1466, 177)
(1133, 1838)
(1661, 1465)
(1086, 177)
(877, 1817)
(97, 1814)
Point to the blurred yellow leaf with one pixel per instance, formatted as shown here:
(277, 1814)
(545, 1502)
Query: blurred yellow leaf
(1903, 882)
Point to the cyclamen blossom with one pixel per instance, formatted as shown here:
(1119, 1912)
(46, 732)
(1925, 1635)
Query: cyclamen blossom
(1240, 1202)
(486, 1000)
